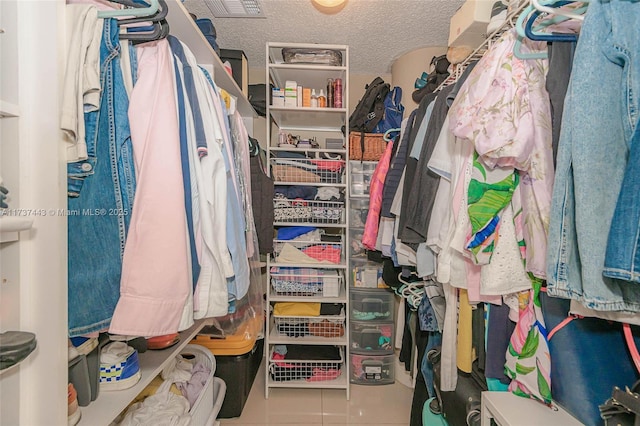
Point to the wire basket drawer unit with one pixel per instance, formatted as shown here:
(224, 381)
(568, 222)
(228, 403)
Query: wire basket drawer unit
(294, 211)
(306, 282)
(329, 326)
(308, 363)
(309, 252)
(295, 170)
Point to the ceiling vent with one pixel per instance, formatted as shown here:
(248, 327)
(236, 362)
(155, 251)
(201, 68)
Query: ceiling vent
(235, 8)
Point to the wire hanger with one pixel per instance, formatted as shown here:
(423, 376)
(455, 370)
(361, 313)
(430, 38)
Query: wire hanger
(136, 12)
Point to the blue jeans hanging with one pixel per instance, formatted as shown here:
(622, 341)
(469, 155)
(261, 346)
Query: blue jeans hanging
(100, 214)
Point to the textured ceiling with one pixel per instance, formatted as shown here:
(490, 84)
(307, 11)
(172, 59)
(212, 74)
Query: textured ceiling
(377, 31)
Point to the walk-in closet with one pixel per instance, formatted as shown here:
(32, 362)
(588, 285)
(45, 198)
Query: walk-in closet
(319, 212)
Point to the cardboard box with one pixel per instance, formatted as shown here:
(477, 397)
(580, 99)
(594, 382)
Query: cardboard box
(469, 24)
(239, 67)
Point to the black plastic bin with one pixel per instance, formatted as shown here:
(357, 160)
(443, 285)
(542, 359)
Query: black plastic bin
(238, 372)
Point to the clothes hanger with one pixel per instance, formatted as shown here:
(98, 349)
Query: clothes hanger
(552, 9)
(539, 36)
(141, 34)
(156, 17)
(136, 12)
(526, 30)
(520, 36)
(386, 137)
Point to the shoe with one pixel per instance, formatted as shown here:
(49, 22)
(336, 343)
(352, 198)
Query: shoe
(15, 346)
(498, 16)
(119, 367)
(84, 345)
(163, 342)
(136, 342)
(73, 411)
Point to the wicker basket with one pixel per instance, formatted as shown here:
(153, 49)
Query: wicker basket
(374, 146)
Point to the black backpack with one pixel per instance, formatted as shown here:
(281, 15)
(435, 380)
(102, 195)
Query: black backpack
(370, 108)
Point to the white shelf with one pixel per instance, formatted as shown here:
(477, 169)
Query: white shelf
(11, 226)
(109, 404)
(342, 297)
(8, 109)
(507, 409)
(312, 119)
(185, 28)
(277, 339)
(312, 76)
(338, 383)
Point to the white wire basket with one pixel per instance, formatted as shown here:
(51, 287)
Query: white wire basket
(282, 370)
(286, 211)
(315, 251)
(306, 282)
(307, 170)
(329, 326)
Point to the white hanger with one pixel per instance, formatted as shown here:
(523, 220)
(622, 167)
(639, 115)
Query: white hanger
(556, 11)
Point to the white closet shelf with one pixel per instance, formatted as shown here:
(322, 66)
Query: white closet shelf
(103, 410)
(310, 119)
(8, 109)
(181, 23)
(338, 383)
(11, 226)
(278, 339)
(306, 75)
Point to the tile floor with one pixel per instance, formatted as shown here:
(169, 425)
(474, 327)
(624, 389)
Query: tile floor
(388, 405)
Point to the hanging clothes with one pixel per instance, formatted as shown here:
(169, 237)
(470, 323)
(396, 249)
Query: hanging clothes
(102, 188)
(155, 273)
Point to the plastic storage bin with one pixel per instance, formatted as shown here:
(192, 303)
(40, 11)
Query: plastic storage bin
(238, 372)
(365, 274)
(372, 337)
(358, 211)
(371, 305)
(201, 408)
(361, 173)
(358, 250)
(372, 370)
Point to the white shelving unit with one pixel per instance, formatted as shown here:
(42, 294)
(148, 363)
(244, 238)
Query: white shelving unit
(320, 123)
